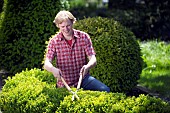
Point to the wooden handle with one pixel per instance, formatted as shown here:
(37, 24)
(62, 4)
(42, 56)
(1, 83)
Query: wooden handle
(79, 82)
(64, 82)
(77, 97)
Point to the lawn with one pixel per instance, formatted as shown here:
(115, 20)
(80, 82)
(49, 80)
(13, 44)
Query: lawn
(156, 74)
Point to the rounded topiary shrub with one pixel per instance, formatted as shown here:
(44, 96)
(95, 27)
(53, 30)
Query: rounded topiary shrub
(119, 62)
(31, 91)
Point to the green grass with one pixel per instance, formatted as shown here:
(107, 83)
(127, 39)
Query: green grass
(156, 74)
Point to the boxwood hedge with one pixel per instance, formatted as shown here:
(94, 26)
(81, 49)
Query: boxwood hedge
(102, 102)
(31, 91)
(34, 91)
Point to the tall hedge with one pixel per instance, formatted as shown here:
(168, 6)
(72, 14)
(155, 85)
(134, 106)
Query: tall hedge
(25, 27)
(119, 62)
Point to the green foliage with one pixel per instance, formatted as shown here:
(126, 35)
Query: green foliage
(30, 92)
(1, 5)
(25, 27)
(90, 102)
(119, 61)
(33, 91)
(156, 75)
(77, 3)
(102, 102)
(156, 54)
(43, 76)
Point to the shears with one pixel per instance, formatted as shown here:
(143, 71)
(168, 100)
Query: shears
(69, 89)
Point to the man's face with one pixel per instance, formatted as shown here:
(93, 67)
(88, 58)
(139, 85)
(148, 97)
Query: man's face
(66, 27)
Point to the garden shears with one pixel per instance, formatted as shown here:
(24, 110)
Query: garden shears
(69, 89)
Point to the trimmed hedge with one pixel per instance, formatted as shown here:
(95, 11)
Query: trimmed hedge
(102, 102)
(119, 62)
(25, 26)
(34, 91)
(31, 91)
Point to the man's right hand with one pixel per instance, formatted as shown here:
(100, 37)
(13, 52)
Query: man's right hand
(56, 72)
(49, 67)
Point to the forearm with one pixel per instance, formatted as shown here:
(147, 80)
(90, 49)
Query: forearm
(92, 62)
(48, 66)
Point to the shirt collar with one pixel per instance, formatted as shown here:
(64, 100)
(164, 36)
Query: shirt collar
(76, 34)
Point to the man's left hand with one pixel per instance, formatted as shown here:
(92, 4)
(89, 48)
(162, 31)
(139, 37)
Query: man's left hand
(84, 70)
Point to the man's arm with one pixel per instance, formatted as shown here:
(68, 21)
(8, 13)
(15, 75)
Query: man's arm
(92, 62)
(49, 67)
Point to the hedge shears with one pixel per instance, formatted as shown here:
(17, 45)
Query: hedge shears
(69, 89)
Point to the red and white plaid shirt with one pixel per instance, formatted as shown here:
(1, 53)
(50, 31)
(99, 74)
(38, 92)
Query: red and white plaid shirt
(70, 59)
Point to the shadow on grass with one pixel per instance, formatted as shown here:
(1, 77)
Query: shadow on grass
(157, 82)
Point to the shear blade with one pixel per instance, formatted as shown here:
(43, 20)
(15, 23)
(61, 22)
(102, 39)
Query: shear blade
(73, 98)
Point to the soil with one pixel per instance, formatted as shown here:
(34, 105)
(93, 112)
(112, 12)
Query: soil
(143, 90)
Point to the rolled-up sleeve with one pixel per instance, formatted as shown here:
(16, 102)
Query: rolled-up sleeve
(89, 46)
(50, 54)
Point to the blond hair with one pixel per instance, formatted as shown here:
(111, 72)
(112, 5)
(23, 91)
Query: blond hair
(62, 16)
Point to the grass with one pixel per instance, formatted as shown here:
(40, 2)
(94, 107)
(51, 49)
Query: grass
(156, 74)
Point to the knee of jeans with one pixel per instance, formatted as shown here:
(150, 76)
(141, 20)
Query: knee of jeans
(107, 89)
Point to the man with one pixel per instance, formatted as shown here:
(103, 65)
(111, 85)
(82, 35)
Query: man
(71, 48)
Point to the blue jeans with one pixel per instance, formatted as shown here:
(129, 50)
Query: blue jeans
(91, 83)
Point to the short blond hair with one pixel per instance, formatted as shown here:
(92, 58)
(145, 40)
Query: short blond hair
(62, 16)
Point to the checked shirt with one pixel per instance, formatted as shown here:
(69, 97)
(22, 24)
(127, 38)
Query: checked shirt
(70, 59)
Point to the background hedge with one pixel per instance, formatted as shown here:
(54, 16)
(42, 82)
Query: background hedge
(25, 26)
(119, 62)
(148, 19)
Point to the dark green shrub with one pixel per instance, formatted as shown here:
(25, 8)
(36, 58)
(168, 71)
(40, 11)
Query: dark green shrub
(1, 5)
(148, 19)
(119, 61)
(29, 92)
(25, 27)
(102, 102)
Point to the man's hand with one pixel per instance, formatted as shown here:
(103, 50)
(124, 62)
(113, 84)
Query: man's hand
(84, 70)
(92, 62)
(49, 67)
(56, 72)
